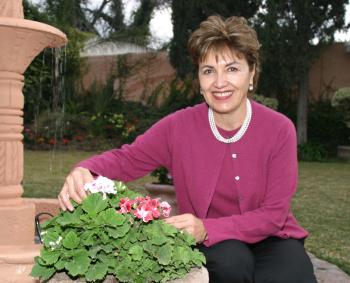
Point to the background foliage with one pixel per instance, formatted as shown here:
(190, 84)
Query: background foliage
(292, 34)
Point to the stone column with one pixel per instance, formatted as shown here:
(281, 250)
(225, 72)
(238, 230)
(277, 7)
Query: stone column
(16, 217)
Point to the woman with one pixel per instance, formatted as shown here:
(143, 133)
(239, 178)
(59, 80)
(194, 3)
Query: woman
(233, 162)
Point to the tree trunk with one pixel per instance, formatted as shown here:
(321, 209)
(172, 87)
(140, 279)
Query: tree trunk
(302, 109)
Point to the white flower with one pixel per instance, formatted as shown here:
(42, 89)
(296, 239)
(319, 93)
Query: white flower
(59, 240)
(101, 185)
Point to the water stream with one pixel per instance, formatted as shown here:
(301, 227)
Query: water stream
(58, 103)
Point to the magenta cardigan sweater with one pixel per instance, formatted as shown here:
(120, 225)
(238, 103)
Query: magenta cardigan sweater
(266, 170)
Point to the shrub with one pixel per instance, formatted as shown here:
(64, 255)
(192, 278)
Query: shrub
(312, 152)
(326, 126)
(341, 101)
(267, 101)
(163, 176)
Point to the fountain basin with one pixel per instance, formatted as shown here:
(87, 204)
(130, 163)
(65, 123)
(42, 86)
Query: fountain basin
(25, 40)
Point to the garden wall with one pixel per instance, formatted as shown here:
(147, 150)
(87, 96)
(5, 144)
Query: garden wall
(330, 71)
(146, 71)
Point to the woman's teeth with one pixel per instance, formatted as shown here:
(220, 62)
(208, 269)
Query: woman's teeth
(223, 94)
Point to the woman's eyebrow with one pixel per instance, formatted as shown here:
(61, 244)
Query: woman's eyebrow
(232, 63)
(207, 66)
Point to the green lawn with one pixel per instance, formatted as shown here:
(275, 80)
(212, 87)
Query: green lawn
(45, 172)
(322, 204)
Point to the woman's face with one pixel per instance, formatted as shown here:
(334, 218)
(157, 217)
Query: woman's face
(224, 80)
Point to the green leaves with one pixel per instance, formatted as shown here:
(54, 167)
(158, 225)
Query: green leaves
(97, 272)
(42, 271)
(136, 252)
(110, 217)
(71, 240)
(49, 256)
(93, 204)
(164, 254)
(79, 264)
(70, 218)
(95, 240)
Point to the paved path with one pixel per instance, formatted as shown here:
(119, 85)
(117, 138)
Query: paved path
(327, 272)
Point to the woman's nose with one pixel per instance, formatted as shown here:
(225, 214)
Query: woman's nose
(220, 80)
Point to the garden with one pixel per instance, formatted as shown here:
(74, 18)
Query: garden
(64, 125)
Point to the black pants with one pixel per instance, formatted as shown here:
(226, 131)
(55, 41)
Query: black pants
(272, 260)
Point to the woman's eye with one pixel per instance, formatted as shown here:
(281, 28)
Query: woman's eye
(232, 69)
(207, 71)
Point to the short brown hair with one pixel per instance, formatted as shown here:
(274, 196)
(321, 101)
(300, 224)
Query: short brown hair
(216, 34)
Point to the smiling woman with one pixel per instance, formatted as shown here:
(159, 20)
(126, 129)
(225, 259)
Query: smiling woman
(233, 163)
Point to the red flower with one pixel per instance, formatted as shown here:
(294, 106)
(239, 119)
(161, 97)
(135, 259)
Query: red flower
(52, 141)
(142, 213)
(78, 138)
(125, 205)
(65, 141)
(144, 208)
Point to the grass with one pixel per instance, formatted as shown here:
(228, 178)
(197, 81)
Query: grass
(321, 205)
(45, 172)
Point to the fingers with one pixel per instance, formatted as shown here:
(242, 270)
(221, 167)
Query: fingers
(78, 179)
(62, 206)
(63, 199)
(182, 222)
(182, 218)
(190, 224)
(73, 188)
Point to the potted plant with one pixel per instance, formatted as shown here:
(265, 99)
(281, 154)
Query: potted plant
(163, 188)
(115, 235)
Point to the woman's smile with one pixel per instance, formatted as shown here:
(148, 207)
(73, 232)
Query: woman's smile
(222, 95)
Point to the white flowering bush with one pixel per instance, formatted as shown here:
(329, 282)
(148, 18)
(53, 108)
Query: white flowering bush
(115, 232)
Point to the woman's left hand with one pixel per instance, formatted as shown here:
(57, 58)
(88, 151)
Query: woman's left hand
(189, 223)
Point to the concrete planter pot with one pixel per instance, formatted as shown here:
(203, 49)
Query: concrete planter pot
(196, 275)
(165, 193)
(343, 152)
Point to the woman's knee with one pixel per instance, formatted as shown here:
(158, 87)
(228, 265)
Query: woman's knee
(230, 261)
(286, 262)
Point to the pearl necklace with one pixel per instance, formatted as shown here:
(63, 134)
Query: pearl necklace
(241, 131)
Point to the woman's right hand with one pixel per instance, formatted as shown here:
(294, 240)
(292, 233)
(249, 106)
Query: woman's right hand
(73, 188)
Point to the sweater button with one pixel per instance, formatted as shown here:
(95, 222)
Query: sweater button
(237, 178)
(234, 155)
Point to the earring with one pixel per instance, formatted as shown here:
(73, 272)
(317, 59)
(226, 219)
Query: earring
(201, 91)
(251, 87)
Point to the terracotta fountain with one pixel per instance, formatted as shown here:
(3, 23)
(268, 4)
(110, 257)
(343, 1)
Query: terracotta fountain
(20, 41)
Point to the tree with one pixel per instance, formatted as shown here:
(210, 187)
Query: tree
(68, 13)
(138, 31)
(187, 16)
(293, 33)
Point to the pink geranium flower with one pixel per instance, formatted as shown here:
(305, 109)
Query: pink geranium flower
(166, 208)
(142, 213)
(125, 205)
